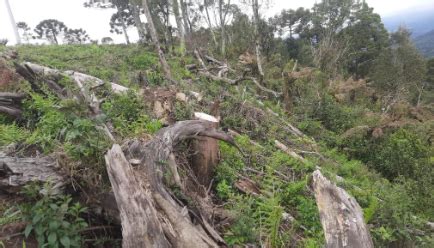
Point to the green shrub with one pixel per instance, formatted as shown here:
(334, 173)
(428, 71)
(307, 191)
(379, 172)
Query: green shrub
(402, 154)
(334, 116)
(11, 133)
(55, 221)
(127, 113)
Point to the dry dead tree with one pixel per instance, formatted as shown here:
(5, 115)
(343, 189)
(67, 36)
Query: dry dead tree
(204, 71)
(341, 215)
(151, 216)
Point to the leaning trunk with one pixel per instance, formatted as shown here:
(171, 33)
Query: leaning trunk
(256, 20)
(13, 23)
(154, 37)
(139, 24)
(181, 31)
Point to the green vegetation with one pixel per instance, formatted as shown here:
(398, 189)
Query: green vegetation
(54, 220)
(362, 98)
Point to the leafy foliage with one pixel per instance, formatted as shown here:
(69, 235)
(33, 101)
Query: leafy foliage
(54, 220)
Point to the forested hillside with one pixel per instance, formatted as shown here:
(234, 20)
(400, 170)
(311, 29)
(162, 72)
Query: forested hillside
(313, 128)
(425, 44)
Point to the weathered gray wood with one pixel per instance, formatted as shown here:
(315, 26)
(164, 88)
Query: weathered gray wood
(341, 215)
(178, 227)
(140, 224)
(17, 172)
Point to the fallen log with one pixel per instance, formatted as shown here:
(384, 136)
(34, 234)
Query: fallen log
(341, 216)
(17, 172)
(143, 198)
(10, 103)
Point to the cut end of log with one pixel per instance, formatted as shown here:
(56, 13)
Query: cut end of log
(205, 117)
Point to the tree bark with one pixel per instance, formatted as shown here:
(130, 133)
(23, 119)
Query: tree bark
(154, 37)
(256, 19)
(341, 215)
(139, 25)
(222, 27)
(181, 30)
(211, 28)
(13, 23)
(140, 224)
(143, 198)
(184, 11)
(124, 26)
(18, 172)
(206, 156)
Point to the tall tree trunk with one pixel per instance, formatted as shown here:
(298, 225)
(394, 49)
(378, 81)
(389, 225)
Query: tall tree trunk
(181, 30)
(124, 26)
(222, 27)
(55, 38)
(255, 7)
(13, 23)
(154, 37)
(185, 17)
(205, 3)
(139, 24)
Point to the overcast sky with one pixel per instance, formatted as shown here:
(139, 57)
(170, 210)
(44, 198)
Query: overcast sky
(95, 21)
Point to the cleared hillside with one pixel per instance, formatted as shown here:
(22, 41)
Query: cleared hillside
(262, 189)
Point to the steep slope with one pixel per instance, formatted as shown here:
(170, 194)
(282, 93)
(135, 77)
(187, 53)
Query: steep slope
(261, 192)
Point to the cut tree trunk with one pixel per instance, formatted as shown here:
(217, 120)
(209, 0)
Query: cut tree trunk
(143, 198)
(206, 153)
(341, 215)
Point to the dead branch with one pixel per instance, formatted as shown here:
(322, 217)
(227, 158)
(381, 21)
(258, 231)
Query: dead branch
(289, 151)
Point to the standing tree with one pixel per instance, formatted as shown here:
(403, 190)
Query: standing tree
(50, 29)
(120, 21)
(400, 71)
(258, 45)
(293, 22)
(155, 40)
(205, 6)
(107, 41)
(254, 4)
(136, 10)
(12, 19)
(76, 36)
(128, 13)
(25, 31)
(179, 24)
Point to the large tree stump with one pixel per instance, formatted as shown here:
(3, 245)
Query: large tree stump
(341, 215)
(206, 152)
(146, 204)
